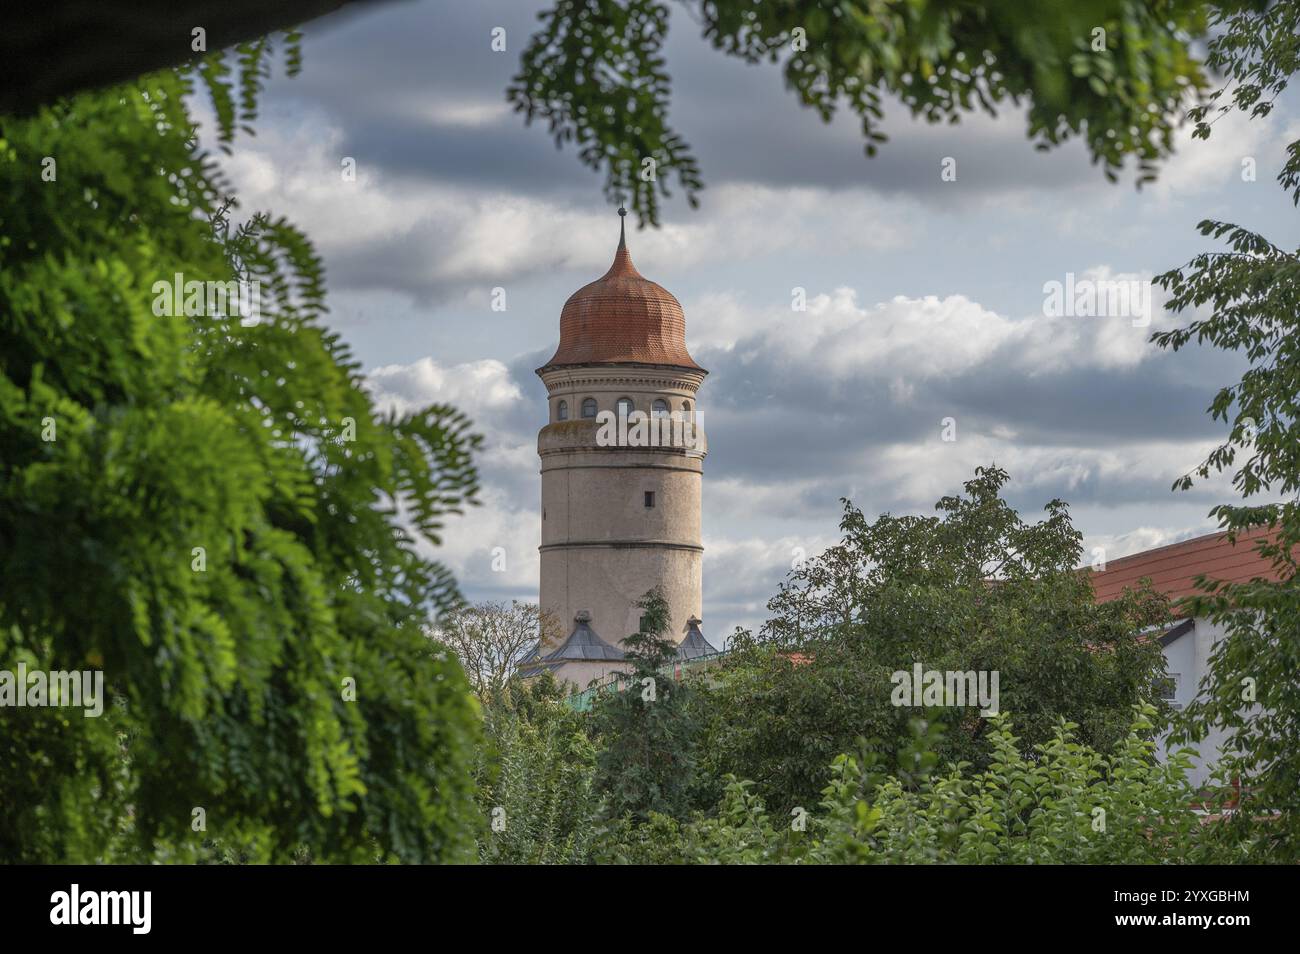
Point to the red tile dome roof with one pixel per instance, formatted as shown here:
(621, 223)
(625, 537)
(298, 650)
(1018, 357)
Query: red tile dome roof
(622, 318)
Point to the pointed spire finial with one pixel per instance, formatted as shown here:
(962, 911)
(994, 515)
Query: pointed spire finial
(622, 265)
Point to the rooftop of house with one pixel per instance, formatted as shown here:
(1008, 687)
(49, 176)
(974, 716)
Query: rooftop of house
(1173, 569)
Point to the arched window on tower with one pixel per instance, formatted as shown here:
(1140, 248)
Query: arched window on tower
(625, 407)
(661, 408)
(562, 411)
(686, 407)
(588, 407)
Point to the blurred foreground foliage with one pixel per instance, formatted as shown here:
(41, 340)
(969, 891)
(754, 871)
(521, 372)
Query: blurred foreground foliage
(205, 507)
(1117, 74)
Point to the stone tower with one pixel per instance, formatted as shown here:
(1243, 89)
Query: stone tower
(621, 461)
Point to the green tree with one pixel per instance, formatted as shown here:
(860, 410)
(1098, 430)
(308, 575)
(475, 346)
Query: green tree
(535, 778)
(976, 589)
(1251, 294)
(490, 639)
(1066, 803)
(1062, 803)
(203, 505)
(179, 440)
(1245, 300)
(646, 731)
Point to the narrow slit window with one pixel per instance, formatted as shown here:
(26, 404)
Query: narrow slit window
(649, 499)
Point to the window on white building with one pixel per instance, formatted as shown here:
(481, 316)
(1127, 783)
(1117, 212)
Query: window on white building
(1169, 688)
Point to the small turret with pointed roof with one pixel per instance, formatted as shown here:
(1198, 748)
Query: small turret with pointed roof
(694, 646)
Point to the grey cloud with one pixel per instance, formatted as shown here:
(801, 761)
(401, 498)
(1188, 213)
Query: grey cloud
(367, 66)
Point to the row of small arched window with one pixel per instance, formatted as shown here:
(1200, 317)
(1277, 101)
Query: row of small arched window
(624, 407)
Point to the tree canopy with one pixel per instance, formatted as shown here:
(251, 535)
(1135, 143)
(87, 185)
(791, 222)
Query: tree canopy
(974, 589)
(647, 728)
(1063, 803)
(202, 503)
(1117, 74)
(491, 639)
(1245, 298)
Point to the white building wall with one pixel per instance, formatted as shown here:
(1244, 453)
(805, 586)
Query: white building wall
(1188, 657)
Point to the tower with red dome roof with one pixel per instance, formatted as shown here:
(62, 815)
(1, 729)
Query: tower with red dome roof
(622, 459)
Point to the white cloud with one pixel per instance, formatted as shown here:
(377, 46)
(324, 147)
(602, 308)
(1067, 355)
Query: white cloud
(507, 519)
(1202, 165)
(493, 547)
(910, 339)
(465, 112)
(1140, 539)
(481, 389)
(925, 471)
(733, 498)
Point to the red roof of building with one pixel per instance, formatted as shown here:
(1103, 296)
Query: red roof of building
(622, 318)
(1173, 569)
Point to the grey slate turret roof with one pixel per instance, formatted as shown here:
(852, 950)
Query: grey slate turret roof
(583, 644)
(694, 645)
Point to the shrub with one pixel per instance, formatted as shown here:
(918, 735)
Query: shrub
(1064, 803)
(535, 779)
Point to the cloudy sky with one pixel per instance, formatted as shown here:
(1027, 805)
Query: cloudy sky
(925, 297)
